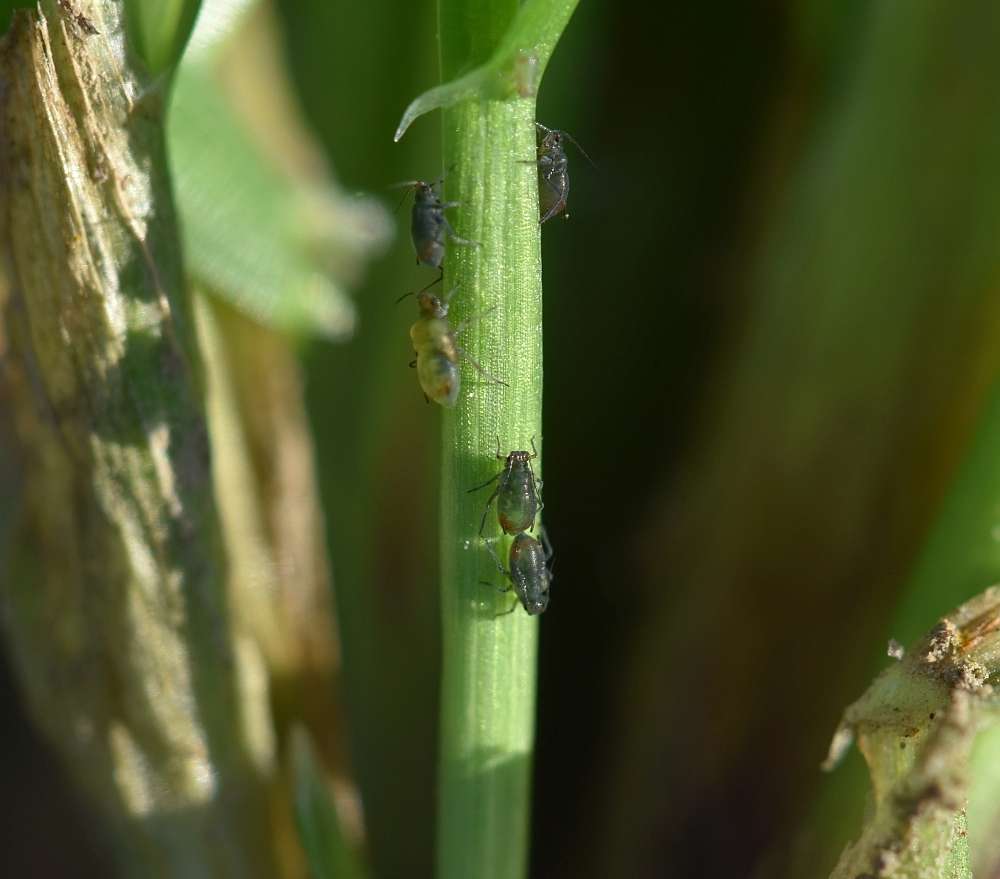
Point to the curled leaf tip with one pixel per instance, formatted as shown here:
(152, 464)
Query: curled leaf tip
(472, 85)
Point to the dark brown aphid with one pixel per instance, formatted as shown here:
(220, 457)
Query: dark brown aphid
(553, 173)
(517, 492)
(429, 227)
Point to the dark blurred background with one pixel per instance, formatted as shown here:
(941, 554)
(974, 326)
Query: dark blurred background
(772, 328)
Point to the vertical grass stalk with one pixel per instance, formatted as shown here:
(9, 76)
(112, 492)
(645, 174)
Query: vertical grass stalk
(489, 659)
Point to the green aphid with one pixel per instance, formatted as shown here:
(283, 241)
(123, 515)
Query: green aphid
(438, 352)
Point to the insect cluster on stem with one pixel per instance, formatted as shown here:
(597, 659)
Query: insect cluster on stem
(519, 501)
(435, 342)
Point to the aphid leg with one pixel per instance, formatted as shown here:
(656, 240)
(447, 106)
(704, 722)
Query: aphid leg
(513, 607)
(506, 574)
(486, 512)
(489, 502)
(413, 364)
(469, 321)
(457, 239)
(480, 369)
(499, 456)
(496, 558)
(546, 544)
(534, 451)
(478, 487)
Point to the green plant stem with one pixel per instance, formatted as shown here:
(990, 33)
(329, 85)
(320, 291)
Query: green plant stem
(488, 661)
(492, 58)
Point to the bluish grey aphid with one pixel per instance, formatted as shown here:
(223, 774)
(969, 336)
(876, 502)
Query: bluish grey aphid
(517, 492)
(553, 172)
(529, 572)
(429, 227)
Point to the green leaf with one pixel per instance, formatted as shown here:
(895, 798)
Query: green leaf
(320, 832)
(159, 29)
(253, 235)
(513, 71)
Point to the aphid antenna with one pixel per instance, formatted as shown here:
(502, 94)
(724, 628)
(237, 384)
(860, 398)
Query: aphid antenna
(546, 545)
(447, 171)
(546, 130)
(437, 280)
(583, 152)
(409, 186)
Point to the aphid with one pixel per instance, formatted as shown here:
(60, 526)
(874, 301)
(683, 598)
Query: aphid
(429, 227)
(516, 494)
(438, 352)
(529, 572)
(553, 173)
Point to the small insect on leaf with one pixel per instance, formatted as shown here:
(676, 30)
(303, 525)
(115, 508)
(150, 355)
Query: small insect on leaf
(528, 571)
(437, 351)
(553, 172)
(517, 493)
(429, 227)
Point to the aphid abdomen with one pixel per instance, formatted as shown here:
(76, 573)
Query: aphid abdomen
(437, 360)
(439, 378)
(553, 191)
(529, 573)
(517, 503)
(428, 235)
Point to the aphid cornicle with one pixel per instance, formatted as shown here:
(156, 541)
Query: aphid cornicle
(438, 352)
(553, 173)
(429, 227)
(517, 492)
(529, 572)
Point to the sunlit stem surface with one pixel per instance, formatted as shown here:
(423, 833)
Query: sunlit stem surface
(488, 688)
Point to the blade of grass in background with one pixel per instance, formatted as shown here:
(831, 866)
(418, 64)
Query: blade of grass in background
(374, 433)
(159, 29)
(488, 661)
(962, 555)
(867, 350)
(320, 827)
